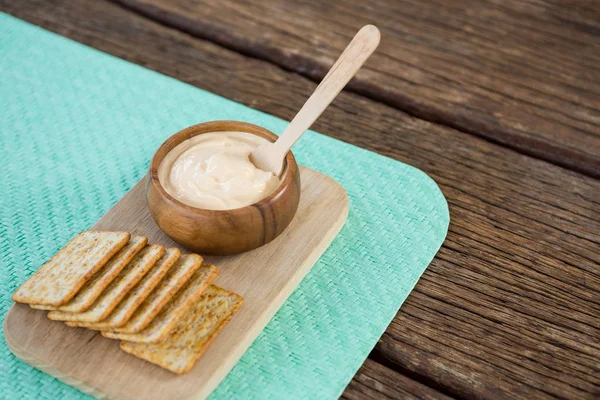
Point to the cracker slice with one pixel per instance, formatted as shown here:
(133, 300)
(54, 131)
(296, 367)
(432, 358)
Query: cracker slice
(177, 276)
(101, 279)
(118, 288)
(121, 314)
(59, 279)
(41, 307)
(172, 313)
(192, 334)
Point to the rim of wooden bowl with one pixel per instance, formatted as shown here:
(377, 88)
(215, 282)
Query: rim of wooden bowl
(286, 176)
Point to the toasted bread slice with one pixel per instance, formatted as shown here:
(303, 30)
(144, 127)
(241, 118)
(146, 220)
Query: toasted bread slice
(164, 322)
(117, 289)
(59, 280)
(192, 334)
(175, 279)
(121, 314)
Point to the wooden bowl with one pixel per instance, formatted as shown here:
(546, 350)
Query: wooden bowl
(223, 231)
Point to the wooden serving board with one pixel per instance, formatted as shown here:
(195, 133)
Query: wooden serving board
(265, 277)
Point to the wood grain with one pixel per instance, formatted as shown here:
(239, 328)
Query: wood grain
(256, 275)
(269, 157)
(523, 74)
(374, 381)
(510, 307)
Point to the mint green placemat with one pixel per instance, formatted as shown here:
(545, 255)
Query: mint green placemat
(78, 128)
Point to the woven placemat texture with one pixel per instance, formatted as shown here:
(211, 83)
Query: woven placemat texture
(78, 129)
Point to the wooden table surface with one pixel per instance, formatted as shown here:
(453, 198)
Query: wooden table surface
(497, 100)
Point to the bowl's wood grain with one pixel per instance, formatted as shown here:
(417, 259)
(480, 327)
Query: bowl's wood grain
(265, 277)
(223, 231)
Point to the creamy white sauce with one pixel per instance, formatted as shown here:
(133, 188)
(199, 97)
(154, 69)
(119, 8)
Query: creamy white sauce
(212, 171)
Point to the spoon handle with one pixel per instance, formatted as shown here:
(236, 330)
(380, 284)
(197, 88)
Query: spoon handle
(354, 56)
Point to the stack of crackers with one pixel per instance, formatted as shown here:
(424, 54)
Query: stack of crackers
(160, 303)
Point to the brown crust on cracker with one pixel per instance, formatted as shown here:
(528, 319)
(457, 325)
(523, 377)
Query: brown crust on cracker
(127, 307)
(94, 287)
(118, 288)
(177, 355)
(174, 311)
(162, 294)
(43, 289)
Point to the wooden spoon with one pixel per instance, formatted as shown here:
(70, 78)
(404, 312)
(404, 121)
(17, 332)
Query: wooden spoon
(269, 156)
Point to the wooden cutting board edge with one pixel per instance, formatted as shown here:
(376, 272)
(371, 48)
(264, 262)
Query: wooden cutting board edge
(25, 354)
(22, 354)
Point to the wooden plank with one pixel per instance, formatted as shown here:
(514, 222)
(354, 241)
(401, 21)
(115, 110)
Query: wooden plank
(375, 382)
(265, 286)
(510, 307)
(522, 74)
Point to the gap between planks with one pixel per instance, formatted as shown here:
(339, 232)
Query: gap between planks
(305, 66)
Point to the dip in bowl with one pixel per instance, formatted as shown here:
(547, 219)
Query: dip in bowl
(198, 201)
